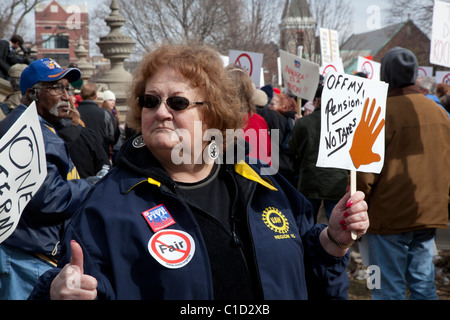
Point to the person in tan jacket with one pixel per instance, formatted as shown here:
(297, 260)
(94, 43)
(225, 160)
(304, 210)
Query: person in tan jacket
(12, 100)
(408, 200)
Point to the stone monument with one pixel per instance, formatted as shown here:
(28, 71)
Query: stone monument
(116, 47)
(86, 68)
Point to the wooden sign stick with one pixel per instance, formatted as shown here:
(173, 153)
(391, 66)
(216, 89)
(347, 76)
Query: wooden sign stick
(352, 192)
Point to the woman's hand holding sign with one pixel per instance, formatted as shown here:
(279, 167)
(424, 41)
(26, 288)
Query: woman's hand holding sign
(350, 214)
(365, 137)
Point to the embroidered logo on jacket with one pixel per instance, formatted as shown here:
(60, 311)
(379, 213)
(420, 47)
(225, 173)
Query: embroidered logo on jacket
(276, 221)
(158, 218)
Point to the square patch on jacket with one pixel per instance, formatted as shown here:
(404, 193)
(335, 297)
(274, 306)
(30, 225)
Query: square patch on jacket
(158, 218)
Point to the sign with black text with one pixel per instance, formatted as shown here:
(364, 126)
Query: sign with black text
(23, 168)
(352, 126)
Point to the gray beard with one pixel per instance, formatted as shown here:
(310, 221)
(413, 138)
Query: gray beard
(54, 110)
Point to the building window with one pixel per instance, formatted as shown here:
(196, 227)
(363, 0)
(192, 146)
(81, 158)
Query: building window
(54, 8)
(300, 38)
(58, 41)
(61, 58)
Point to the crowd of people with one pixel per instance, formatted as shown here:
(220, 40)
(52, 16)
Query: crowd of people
(215, 224)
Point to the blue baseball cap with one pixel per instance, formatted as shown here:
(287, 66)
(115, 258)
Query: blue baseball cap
(46, 70)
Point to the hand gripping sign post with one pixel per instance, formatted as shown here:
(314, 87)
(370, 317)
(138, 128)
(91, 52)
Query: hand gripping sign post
(23, 168)
(352, 125)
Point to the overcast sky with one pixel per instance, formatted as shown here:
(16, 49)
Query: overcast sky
(365, 11)
(368, 15)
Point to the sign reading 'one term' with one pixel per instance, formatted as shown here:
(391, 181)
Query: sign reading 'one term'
(352, 125)
(23, 168)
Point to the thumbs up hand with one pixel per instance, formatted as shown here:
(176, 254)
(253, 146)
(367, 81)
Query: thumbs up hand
(71, 283)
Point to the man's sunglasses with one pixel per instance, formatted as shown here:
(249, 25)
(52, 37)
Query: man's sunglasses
(175, 103)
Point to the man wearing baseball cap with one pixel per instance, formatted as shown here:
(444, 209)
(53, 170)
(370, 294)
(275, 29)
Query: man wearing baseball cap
(33, 247)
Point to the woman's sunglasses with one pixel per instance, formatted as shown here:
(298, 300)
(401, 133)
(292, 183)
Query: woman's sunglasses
(175, 103)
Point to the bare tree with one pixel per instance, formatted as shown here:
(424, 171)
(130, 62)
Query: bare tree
(13, 14)
(420, 11)
(224, 24)
(154, 21)
(336, 15)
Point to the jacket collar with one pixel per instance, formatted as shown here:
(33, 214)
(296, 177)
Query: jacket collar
(404, 90)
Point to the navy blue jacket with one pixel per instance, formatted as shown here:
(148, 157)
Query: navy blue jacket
(115, 237)
(41, 224)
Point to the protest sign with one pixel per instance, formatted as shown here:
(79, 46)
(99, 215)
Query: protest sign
(225, 60)
(352, 125)
(440, 35)
(300, 76)
(370, 68)
(23, 168)
(442, 77)
(251, 61)
(425, 71)
(352, 135)
(329, 45)
(333, 66)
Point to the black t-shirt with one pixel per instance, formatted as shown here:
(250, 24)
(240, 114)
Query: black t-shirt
(212, 202)
(211, 195)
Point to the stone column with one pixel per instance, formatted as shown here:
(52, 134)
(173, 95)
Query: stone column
(86, 68)
(116, 47)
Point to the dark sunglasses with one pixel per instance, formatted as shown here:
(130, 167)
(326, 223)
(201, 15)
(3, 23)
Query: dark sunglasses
(174, 103)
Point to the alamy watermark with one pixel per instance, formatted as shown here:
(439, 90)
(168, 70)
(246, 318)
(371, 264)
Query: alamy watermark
(74, 20)
(373, 22)
(374, 278)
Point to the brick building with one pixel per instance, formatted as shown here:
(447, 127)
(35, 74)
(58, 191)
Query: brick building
(376, 43)
(297, 28)
(58, 29)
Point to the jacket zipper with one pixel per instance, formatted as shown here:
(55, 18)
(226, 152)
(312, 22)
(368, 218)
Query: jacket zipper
(252, 244)
(216, 221)
(235, 238)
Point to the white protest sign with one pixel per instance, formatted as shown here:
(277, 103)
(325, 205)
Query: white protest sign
(225, 60)
(440, 36)
(425, 71)
(329, 45)
(334, 66)
(370, 68)
(352, 125)
(442, 77)
(300, 76)
(23, 168)
(251, 61)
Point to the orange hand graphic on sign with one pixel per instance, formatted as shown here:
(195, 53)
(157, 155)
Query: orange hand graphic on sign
(365, 137)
